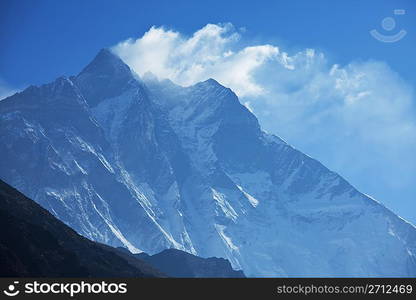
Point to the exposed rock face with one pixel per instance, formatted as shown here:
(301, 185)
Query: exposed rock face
(149, 165)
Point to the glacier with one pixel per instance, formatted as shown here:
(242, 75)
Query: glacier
(149, 165)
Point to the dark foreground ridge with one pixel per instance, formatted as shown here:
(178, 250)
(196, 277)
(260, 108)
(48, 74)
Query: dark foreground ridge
(177, 263)
(33, 243)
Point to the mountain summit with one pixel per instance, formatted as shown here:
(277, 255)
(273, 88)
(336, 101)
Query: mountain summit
(150, 165)
(108, 72)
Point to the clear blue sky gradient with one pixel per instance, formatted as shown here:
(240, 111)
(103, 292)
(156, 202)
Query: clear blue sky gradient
(42, 40)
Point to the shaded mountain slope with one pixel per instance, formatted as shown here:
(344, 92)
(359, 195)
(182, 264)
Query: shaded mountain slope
(177, 263)
(33, 243)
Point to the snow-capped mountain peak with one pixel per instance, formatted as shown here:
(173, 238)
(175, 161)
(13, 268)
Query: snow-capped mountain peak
(107, 76)
(151, 165)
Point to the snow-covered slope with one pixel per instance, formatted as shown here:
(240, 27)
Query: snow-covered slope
(150, 165)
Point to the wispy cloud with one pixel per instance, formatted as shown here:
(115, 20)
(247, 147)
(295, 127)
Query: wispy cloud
(210, 52)
(359, 119)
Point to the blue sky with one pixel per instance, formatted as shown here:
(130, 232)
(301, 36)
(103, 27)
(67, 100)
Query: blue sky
(352, 108)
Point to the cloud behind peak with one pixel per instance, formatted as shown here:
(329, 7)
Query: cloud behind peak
(358, 119)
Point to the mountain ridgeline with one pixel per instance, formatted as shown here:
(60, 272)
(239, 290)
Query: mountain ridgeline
(180, 264)
(33, 243)
(149, 165)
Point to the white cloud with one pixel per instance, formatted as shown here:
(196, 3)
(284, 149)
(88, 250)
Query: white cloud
(209, 52)
(358, 119)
